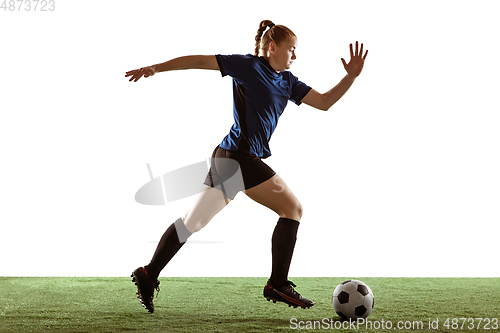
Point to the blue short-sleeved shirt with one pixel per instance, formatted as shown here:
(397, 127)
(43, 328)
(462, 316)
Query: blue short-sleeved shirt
(260, 96)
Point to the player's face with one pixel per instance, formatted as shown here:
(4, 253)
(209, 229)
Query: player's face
(284, 54)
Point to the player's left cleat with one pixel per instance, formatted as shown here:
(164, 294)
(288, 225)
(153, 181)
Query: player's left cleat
(286, 294)
(145, 287)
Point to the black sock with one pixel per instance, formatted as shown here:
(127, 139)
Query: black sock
(283, 243)
(171, 241)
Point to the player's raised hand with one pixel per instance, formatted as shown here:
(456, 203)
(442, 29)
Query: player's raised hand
(355, 65)
(136, 74)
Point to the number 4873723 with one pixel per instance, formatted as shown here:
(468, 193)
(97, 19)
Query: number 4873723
(28, 5)
(471, 323)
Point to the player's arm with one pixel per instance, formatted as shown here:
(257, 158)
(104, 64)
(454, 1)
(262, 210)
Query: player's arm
(353, 68)
(325, 101)
(186, 62)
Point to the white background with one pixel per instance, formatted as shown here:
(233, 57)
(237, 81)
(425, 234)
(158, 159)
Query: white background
(399, 178)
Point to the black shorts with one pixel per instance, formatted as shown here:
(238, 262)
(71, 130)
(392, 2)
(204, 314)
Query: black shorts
(232, 171)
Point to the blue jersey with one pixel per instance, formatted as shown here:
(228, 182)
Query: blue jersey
(260, 96)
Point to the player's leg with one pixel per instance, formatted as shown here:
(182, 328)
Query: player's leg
(208, 204)
(277, 196)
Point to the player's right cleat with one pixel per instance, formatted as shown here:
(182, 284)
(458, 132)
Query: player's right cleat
(286, 294)
(145, 287)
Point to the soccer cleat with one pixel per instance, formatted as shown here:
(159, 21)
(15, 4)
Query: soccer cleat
(145, 287)
(286, 294)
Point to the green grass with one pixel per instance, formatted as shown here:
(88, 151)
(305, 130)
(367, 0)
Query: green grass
(231, 304)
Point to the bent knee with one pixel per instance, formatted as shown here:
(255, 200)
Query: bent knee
(195, 224)
(293, 211)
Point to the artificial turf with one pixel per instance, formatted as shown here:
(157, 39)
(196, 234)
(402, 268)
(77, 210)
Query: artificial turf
(56, 304)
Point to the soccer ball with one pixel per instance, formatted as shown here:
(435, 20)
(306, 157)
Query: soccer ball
(352, 299)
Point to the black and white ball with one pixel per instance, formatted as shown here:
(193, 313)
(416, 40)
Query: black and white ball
(352, 299)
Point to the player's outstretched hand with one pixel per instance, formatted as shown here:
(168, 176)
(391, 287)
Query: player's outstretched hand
(136, 74)
(355, 65)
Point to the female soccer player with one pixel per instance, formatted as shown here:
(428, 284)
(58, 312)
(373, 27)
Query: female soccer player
(262, 86)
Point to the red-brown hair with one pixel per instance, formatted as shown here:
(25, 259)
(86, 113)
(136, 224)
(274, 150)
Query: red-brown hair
(277, 34)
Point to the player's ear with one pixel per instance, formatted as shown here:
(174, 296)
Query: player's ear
(272, 47)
